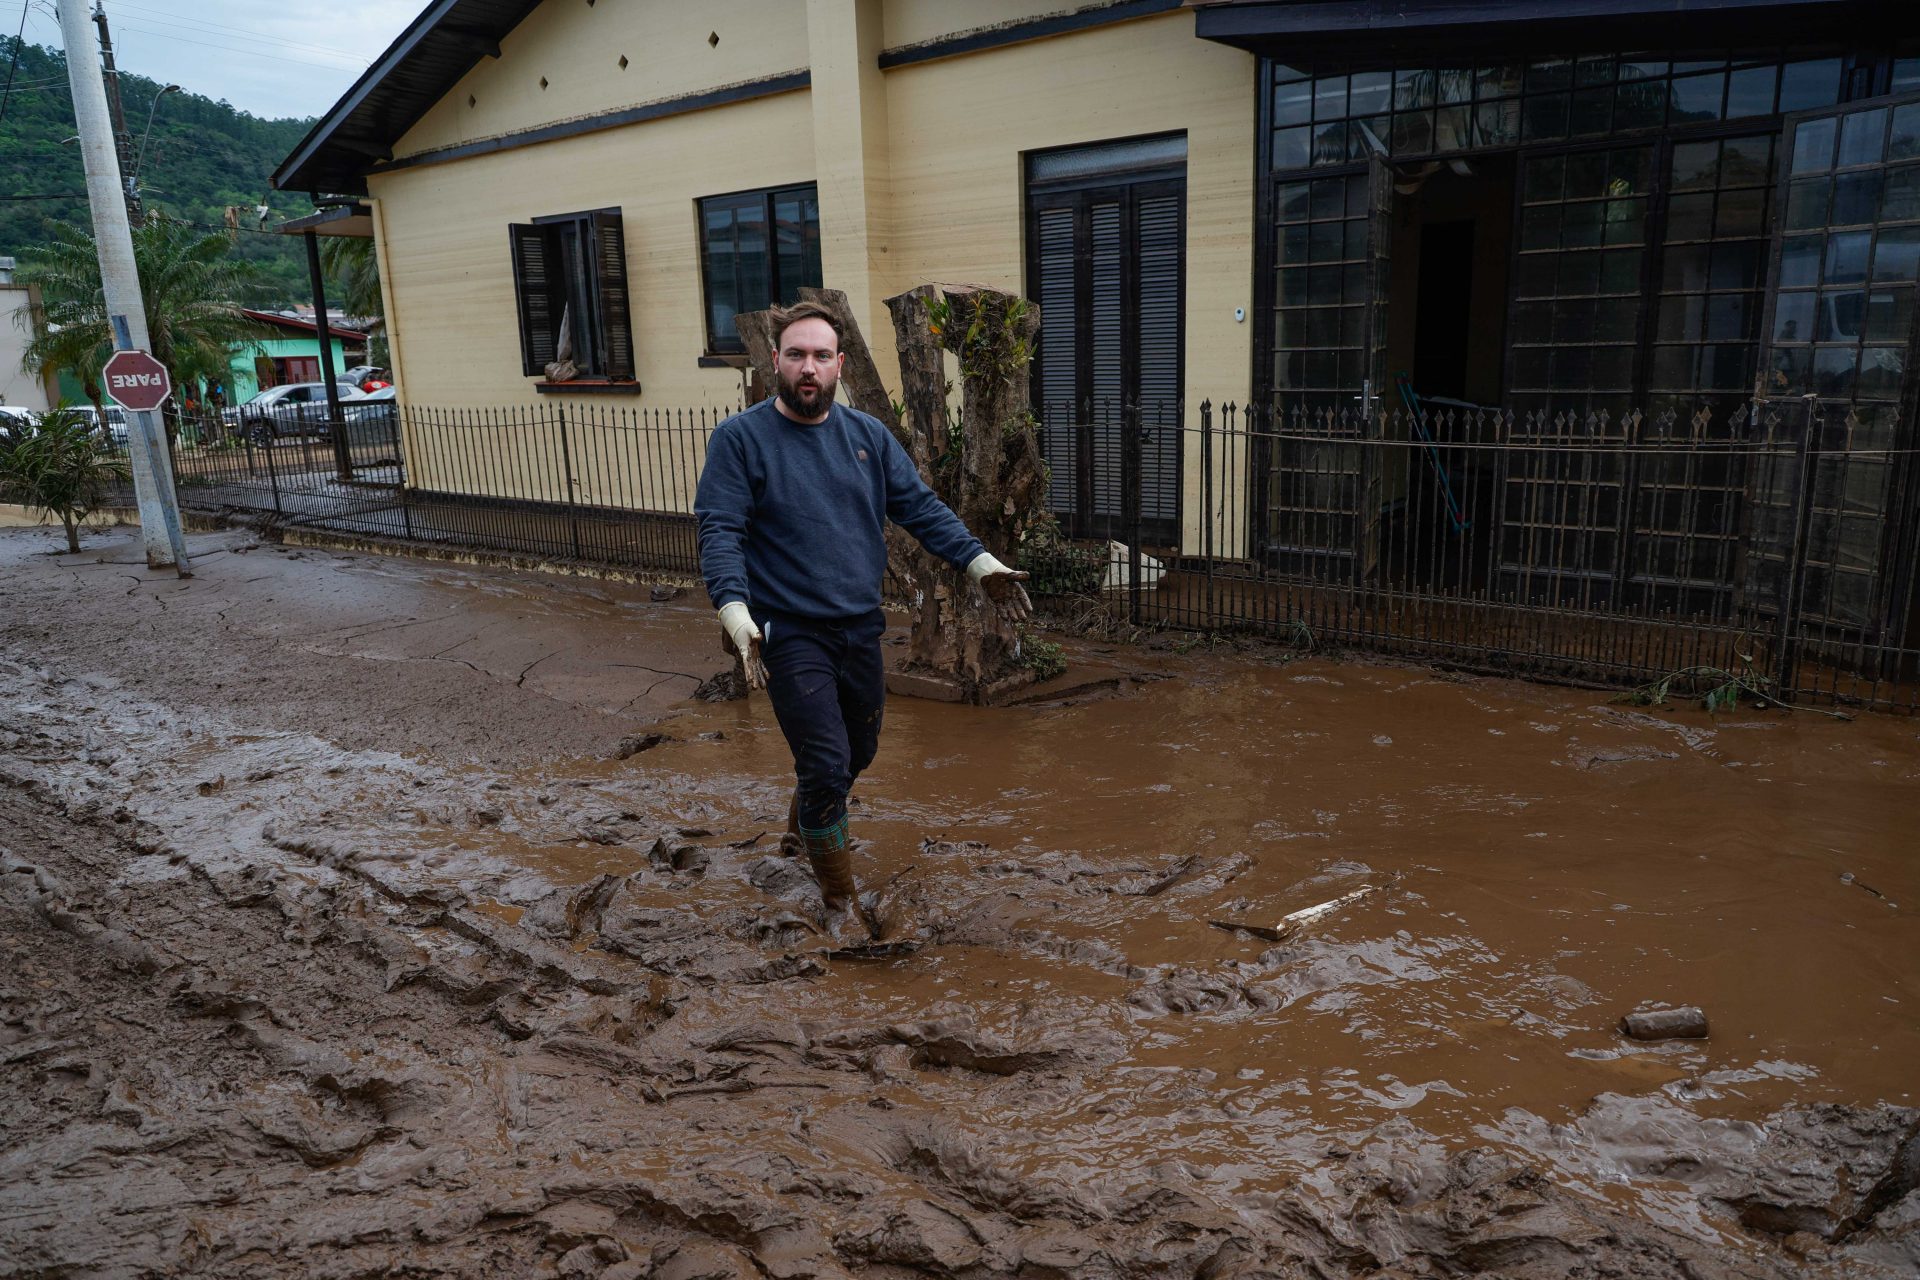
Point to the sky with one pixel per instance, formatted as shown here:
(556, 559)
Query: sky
(270, 57)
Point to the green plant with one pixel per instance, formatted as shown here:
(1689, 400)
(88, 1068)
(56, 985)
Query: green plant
(1059, 568)
(56, 466)
(1043, 657)
(1718, 688)
(1197, 640)
(353, 268)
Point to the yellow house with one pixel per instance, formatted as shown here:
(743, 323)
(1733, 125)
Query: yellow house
(643, 169)
(1534, 206)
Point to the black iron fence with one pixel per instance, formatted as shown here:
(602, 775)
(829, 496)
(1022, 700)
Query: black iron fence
(1775, 548)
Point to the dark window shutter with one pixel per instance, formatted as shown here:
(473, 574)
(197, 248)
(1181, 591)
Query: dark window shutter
(1158, 264)
(1059, 361)
(1107, 354)
(610, 287)
(536, 285)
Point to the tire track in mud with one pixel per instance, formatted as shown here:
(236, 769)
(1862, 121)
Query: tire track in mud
(316, 1061)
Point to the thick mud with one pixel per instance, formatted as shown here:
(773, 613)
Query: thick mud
(365, 917)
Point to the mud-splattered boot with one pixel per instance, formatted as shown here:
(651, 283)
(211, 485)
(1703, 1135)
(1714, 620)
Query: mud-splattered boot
(831, 858)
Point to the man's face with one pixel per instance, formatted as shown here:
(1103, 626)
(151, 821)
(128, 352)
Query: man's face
(808, 367)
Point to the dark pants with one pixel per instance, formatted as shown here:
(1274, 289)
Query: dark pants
(828, 689)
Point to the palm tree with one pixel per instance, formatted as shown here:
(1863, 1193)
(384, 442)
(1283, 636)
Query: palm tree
(351, 265)
(187, 281)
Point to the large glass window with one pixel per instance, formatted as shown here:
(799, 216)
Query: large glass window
(1849, 257)
(1332, 117)
(1712, 271)
(757, 249)
(1321, 298)
(1576, 282)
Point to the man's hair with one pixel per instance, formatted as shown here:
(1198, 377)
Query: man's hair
(785, 318)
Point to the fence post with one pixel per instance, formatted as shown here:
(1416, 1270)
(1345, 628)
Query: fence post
(273, 471)
(566, 465)
(403, 490)
(1130, 481)
(1793, 579)
(1206, 497)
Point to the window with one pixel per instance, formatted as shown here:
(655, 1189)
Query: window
(1576, 282)
(740, 271)
(1708, 318)
(1321, 286)
(571, 271)
(1328, 119)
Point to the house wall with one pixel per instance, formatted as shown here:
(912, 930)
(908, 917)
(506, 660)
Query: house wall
(18, 387)
(911, 22)
(925, 160)
(451, 270)
(959, 127)
(665, 45)
(242, 385)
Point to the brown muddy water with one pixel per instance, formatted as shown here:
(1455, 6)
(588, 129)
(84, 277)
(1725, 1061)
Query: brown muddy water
(341, 938)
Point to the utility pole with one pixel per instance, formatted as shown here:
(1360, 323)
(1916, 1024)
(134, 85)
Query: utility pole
(122, 140)
(153, 490)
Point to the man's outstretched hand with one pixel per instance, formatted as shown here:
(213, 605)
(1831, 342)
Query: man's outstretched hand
(1008, 597)
(740, 637)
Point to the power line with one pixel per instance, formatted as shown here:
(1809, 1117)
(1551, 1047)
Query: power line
(131, 25)
(13, 64)
(166, 19)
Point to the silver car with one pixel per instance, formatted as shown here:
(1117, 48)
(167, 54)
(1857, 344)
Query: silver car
(292, 409)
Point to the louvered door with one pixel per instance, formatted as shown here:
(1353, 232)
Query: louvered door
(1106, 265)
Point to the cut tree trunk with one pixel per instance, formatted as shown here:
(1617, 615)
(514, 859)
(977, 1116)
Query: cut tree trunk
(996, 482)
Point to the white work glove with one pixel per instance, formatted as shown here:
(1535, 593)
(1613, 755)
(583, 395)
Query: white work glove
(743, 637)
(1001, 586)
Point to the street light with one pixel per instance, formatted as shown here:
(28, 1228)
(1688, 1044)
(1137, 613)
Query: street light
(133, 183)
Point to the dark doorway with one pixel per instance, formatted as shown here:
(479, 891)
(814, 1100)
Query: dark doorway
(1446, 347)
(1443, 325)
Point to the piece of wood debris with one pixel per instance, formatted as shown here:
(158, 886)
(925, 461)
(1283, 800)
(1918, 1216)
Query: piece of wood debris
(1294, 921)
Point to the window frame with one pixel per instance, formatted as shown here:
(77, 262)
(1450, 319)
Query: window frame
(777, 291)
(577, 244)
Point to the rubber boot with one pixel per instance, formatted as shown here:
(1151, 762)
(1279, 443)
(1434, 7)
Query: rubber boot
(832, 862)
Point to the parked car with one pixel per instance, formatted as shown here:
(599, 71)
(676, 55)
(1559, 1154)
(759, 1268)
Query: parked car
(292, 409)
(116, 428)
(374, 418)
(368, 377)
(15, 417)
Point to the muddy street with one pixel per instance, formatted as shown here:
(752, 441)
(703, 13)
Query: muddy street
(363, 916)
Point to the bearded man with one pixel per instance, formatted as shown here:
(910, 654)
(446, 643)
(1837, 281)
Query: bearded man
(793, 507)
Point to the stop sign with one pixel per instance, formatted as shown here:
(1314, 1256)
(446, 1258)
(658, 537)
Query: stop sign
(135, 380)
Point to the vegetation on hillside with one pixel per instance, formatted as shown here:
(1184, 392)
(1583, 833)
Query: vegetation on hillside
(202, 156)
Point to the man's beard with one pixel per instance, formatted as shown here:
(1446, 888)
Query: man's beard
(808, 402)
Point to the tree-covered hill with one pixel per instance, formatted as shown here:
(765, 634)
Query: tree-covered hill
(202, 156)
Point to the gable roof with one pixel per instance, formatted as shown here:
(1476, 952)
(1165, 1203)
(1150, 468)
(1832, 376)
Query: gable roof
(417, 70)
